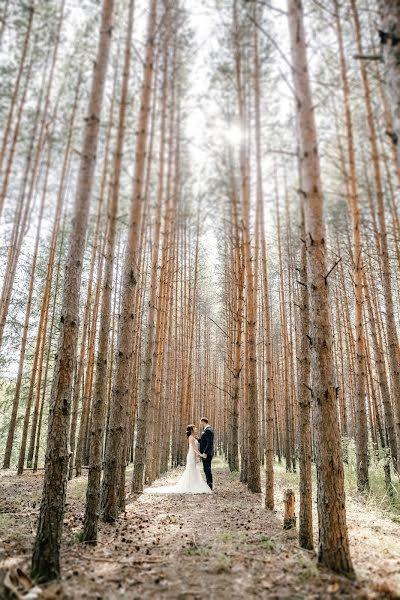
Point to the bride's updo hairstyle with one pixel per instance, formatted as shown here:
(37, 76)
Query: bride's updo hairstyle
(189, 430)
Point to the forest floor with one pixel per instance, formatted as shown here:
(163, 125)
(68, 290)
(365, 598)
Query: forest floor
(191, 547)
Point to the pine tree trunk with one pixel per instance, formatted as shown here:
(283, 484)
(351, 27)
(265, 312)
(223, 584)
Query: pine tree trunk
(391, 331)
(333, 537)
(382, 377)
(92, 509)
(49, 276)
(253, 464)
(22, 211)
(12, 146)
(77, 441)
(32, 164)
(14, 97)
(14, 412)
(46, 302)
(285, 347)
(121, 392)
(46, 552)
(304, 398)
(150, 350)
(49, 351)
(389, 34)
(361, 420)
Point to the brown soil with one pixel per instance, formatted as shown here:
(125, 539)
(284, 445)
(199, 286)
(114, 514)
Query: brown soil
(192, 547)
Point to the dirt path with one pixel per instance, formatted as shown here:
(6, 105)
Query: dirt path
(191, 547)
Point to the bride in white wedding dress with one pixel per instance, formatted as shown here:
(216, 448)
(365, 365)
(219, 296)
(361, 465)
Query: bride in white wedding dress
(191, 481)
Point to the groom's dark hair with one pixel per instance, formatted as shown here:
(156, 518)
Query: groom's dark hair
(204, 419)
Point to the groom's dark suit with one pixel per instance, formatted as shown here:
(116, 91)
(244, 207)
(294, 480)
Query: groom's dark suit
(207, 447)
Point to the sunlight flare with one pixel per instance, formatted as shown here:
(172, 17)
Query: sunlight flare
(234, 135)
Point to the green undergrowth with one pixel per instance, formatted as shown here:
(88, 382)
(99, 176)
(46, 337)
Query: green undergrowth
(307, 569)
(377, 498)
(233, 475)
(77, 488)
(266, 543)
(14, 526)
(218, 462)
(221, 564)
(194, 549)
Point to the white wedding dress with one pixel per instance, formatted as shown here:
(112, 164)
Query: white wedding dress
(190, 482)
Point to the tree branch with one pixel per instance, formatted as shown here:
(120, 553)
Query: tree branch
(368, 57)
(329, 272)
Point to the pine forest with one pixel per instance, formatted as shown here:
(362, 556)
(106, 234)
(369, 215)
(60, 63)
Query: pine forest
(199, 299)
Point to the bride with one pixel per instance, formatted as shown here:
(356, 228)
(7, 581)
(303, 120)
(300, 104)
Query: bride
(191, 481)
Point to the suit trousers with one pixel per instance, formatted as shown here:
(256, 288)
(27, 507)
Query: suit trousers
(207, 471)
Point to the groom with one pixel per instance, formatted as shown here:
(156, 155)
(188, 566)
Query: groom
(207, 449)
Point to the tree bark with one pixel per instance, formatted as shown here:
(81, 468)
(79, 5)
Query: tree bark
(360, 375)
(389, 35)
(304, 397)
(253, 465)
(391, 330)
(92, 510)
(46, 552)
(333, 536)
(121, 392)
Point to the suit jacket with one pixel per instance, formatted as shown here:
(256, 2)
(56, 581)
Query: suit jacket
(207, 442)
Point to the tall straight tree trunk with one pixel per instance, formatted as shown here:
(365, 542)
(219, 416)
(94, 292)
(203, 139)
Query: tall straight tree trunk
(391, 331)
(361, 421)
(285, 344)
(304, 398)
(82, 453)
(15, 93)
(46, 551)
(34, 157)
(74, 440)
(333, 536)
(24, 339)
(12, 145)
(253, 464)
(380, 369)
(169, 249)
(23, 208)
(46, 301)
(121, 392)
(91, 519)
(49, 350)
(149, 352)
(36, 367)
(293, 407)
(238, 298)
(269, 419)
(47, 290)
(389, 34)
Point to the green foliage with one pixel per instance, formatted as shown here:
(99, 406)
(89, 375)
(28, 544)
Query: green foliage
(267, 543)
(308, 569)
(15, 524)
(288, 479)
(194, 549)
(228, 537)
(233, 475)
(77, 488)
(222, 564)
(233, 537)
(378, 497)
